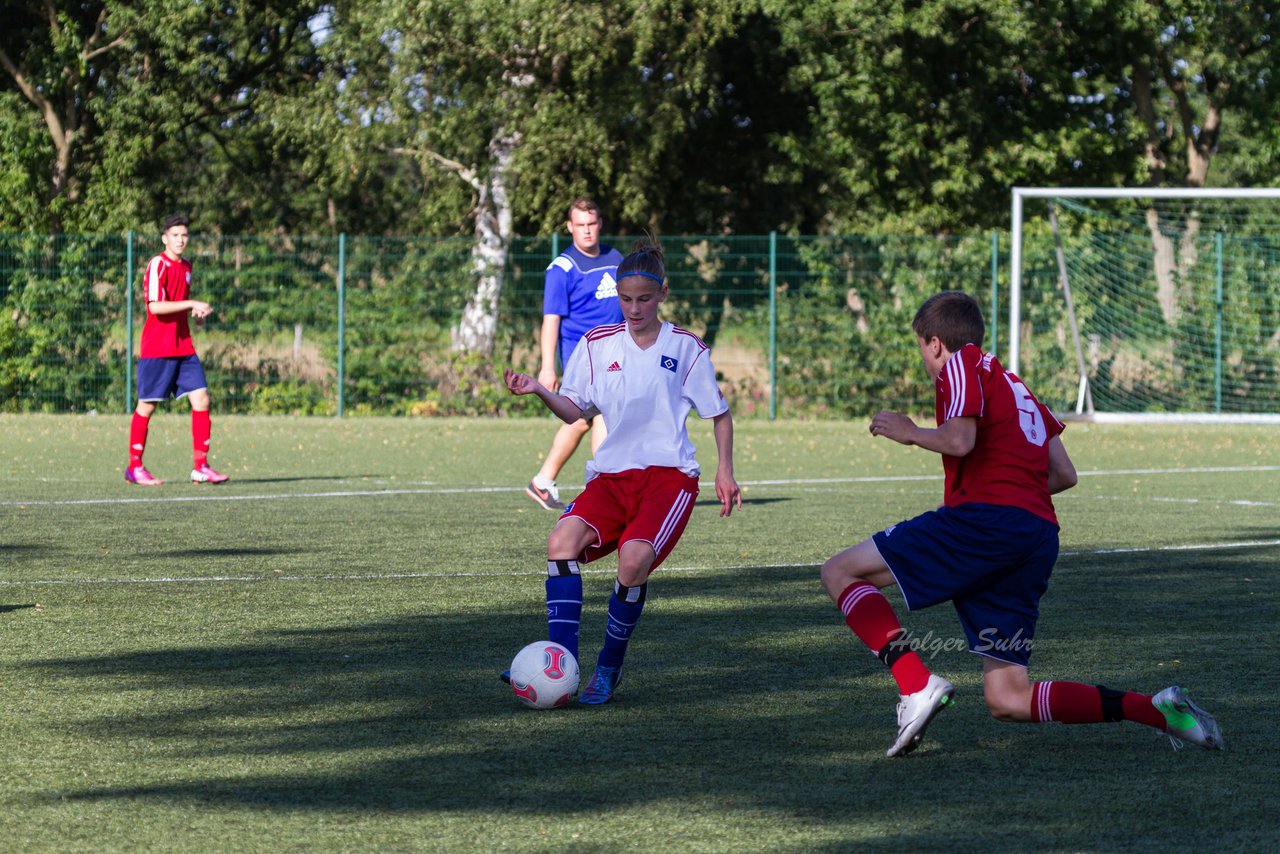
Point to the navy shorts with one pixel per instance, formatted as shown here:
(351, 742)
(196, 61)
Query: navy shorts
(992, 562)
(169, 376)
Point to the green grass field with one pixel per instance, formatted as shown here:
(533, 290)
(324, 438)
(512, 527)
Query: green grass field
(306, 658)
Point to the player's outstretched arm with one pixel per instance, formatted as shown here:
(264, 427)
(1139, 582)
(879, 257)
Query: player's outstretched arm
(547, 344)
(726, 487)
(955, 437)
(564, 408)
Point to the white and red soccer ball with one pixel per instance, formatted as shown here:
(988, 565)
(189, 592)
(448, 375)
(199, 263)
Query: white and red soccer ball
(544, 675)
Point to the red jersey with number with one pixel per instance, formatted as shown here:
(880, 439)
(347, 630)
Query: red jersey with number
(166, 280)
(1009, 463)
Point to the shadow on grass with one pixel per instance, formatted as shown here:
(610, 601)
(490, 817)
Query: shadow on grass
(335, 477)
(5, 609)
(744, 691)
(23, 550)
(222, 552)
(746, 502)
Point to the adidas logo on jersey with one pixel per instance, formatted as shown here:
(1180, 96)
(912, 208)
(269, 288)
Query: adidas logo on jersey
(614, 367)
(608, 288)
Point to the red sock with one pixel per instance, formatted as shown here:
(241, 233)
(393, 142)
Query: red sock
(1077, 703)
(200, 430)
(870, 616)
(1139, 709)
(137, 439)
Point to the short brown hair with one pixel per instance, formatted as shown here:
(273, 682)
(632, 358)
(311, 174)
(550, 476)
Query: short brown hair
(954, 317)
(586, 205)
(176, 219)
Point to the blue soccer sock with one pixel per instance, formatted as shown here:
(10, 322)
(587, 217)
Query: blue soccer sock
(564, 603)
(625, 606)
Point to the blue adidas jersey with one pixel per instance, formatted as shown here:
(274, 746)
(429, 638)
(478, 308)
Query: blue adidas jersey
(583, 291)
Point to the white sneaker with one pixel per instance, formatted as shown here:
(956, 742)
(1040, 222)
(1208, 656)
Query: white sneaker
(1186, 720)
(916, 710)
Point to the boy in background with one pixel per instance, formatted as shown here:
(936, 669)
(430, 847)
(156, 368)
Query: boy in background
(167, 362)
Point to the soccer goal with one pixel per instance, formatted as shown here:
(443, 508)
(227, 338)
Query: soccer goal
(1148, 304)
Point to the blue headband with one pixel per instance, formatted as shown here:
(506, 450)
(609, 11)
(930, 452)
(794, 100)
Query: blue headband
(657, 279)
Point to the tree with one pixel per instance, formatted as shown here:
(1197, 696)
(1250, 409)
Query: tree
(1184, 69)
(925, 112)
(59, 60)
(130, 94)
(527, 103)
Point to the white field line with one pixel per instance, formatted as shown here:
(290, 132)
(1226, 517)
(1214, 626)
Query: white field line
(477, 490)
(445, 576)
(1237, 502)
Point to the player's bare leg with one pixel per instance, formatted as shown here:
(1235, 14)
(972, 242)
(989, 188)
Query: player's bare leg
(569, 538)
(856, 563)
(543, 488)
(1007, 689)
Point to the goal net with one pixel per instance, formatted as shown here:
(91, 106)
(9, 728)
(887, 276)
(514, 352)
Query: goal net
(1148, 304)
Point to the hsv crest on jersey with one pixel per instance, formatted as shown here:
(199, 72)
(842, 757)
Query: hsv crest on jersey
(669, 363)
(614, 367)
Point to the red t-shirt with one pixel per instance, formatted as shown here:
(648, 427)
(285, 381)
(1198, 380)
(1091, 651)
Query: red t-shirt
(1009, 463)
(166, 334)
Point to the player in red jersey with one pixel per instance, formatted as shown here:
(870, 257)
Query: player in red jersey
(989, 549)
(167, 362)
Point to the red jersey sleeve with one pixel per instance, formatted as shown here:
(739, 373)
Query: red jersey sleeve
(154, 285)
(959, 387)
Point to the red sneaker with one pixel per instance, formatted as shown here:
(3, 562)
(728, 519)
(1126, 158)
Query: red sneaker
(204, 474)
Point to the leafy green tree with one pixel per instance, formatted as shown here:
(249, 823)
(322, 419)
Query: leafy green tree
(1184, 71)
(523, 105)
(131, 94)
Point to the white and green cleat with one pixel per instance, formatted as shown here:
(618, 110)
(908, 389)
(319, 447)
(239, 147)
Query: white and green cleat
(1186, 720)
(915, 711)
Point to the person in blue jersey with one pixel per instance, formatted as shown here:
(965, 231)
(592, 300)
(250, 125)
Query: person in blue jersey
(579, 294)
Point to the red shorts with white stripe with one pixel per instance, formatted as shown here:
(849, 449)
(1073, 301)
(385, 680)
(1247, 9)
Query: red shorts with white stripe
(651, 504)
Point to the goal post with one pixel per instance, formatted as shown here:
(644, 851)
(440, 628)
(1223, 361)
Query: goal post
(1177, 292)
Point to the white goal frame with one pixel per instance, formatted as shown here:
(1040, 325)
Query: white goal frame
(1021, 194)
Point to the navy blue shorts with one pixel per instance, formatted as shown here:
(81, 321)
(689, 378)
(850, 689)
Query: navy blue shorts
(993, 563)
(169, 376)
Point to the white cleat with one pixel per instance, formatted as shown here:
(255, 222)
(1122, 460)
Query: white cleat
(915, 711)
(1186, 720)
(205, 474)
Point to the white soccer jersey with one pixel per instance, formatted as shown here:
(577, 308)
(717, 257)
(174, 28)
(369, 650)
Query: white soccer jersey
(644, 395)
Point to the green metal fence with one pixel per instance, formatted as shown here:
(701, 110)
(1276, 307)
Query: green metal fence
(799, 326)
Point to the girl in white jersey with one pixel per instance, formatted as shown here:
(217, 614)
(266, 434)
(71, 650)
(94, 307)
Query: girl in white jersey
(643, 375)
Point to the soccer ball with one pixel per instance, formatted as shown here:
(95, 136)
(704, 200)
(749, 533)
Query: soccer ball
(544, 675)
